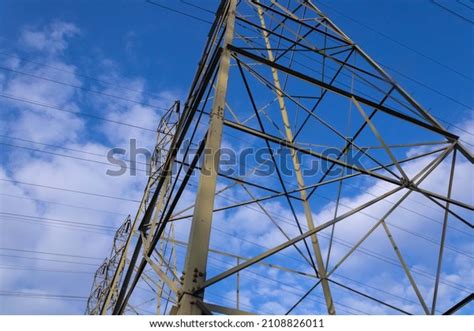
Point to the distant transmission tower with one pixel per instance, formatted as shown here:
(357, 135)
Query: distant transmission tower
(279, 77)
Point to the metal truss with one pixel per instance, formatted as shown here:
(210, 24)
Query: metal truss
(108, 269)
(281, 76)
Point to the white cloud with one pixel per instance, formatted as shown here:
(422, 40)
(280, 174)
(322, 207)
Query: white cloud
(71, 131)
(52, 39)
(246, 225)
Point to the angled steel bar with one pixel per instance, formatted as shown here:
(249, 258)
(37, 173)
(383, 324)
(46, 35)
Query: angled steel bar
(324, 92)
(235, 205)
(285, 19)
(164, 277)
(308, 292)
(342, 92)
(379, 137)
(443, 236)
(286, 143)
(321, 19)
(459, 305)
(336, 209)
(313, 49)
(292, 46)
(240, 180)
(311, 186)
(351, 43)
(289, 243)
(310, 113)
(153, 218)
(404, 93)
(272, 219)
(365, 295)
(243, 258)
(405, 267)
(433, 166)
(426, 171)
(280, 177)
(299, 177)
(354, 137)
(456, 215)
(236, 182)
(445, 199)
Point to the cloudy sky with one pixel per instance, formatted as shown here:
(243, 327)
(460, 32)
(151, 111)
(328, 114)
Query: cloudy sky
(78, 80)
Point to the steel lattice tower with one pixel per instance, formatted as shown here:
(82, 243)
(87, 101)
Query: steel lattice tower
(279, 78)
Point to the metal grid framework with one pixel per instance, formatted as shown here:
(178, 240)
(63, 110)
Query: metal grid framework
(107, 270)
(281, 76)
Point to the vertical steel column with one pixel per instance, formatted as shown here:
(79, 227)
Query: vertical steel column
(198, 248)
(299, 175)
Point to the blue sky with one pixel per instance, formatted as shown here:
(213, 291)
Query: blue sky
(152, 54)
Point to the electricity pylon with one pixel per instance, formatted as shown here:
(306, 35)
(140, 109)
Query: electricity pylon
(282, 79)
(107, 270)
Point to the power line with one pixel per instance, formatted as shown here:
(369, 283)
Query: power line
(69, 149)
(16, 98)
(452, 12)
(397, 42)
(465, 5)
(60, 225)
(62, 148)
(201, 8)
(374, 288)
(370, 253)
(365, 83)
(223, 196)
(66, 156)
(51, 253)
(85, 89)
(68, 190)
(34, 295)
(61, 204)
(179, 12)
(431, 89)
(32, 102)
(362, 93)
(99, 258)
(341, 242)
(390, 68)
(98, 226)
(76, 74)
(49, 260)
(267, 280)
(374, 255)
(67, 255)
(198, 7)
(22, 268)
